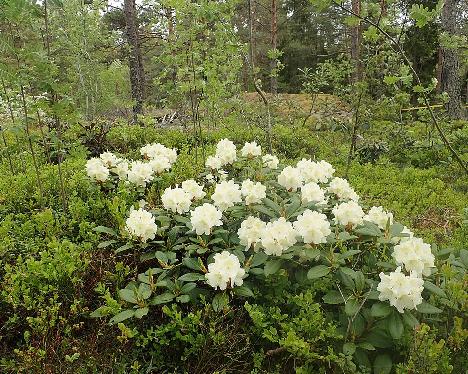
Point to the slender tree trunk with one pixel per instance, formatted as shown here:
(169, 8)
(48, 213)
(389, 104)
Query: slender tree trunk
(356, 38)
(252, 37)
(450, 75)
(137, 79)
(274, 44)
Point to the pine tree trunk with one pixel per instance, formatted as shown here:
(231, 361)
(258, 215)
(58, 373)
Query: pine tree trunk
(450, 74)
(274, 45)
(356, 37)
(137, 79)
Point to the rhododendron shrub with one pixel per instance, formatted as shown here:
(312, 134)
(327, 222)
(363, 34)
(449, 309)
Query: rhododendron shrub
(227, 235)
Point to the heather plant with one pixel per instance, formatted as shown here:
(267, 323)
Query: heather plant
(246, 223)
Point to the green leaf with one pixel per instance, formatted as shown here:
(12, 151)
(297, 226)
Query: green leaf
(333, 297)
(106, 243)
(183, 299)
(259, 258)
(272, 266)
(410, 319)
(272, 205)
(262, 209)
(243, 291)
(369, 229)
(366, 346)
(434, 289)
(187, 287)
(318, 271)
(395, 325)
(220, 301)
(383, 364)
(192, 277)
(352, 307)
(162, 299)
(122, 316)
(105, 230)
(144, 290)
(128, 295)
(427, 308)
(124, 248)
(139, 313)
(191, 263)
(381, 310)
(349, 348)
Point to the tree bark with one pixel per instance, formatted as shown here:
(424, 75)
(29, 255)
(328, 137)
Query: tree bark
(274, 44)
(450, 74)
(137, 76)
(356, 38)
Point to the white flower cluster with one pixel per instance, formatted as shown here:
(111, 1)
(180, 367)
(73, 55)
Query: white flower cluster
(250, 231)
(379, 216)
(226, 194)
(176, 200)
(348, 214)
(270, 161)
(313, 227)
(312, 193)
(141, 224)
(253, 192)
(203, 218)
(402, 291)
(278, 236)
(341, 188)
(415, 256)
(226, 154)
(251, 150)
(313, 171)
(225, 271)
(160, 159)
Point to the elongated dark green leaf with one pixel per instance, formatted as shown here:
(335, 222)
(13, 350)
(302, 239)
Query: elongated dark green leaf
(162, 299)
(427, 308)
(105, 230)
(139, 313)
(271, 267)
(382, 364)
(243, 291)
(124, 248)
(434, 289)
(381, 310)
(106, 243)
(192, 277)
(395, 325)
(318, 272)
(128, 295)
(333, 297)
(122, 316)
(220, 301)
(259, 258)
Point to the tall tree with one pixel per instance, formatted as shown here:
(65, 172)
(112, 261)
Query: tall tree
(274, 45)
(137, 77)
(450, 74)
(356, 40)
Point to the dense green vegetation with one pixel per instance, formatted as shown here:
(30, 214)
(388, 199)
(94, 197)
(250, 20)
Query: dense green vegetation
(352, 84)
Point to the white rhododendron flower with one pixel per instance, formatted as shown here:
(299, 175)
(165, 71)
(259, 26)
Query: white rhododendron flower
(203, 218)
(312, 171)
(313, 227)
(121, 169)
(250, 231)
(226, 194)
(312, 193)
(141, 224)
(251, 149)
(341, 188)
(226, 152)
(140, 173)
(402, 291)
(349, 213)
(109, 159)
(160, 164)
(278, 236)
(213, 162)
(290, 178)
(253, 192)
(270, 161)
(176, 200)
(225, 271)
(415, 256)
(194, 190)
(97, 170)
(379, 216)
(155, 150)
